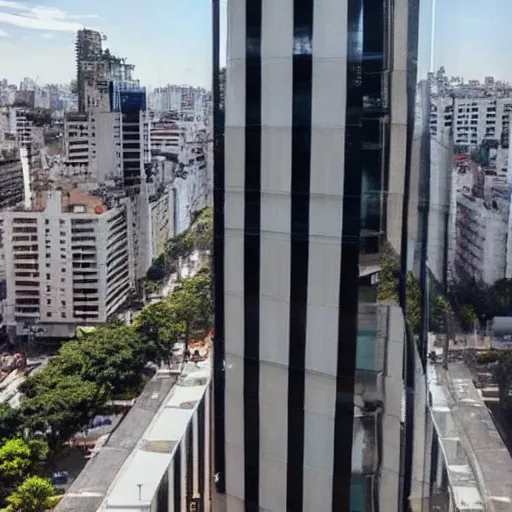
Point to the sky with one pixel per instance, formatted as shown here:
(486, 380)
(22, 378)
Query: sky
(473, 38)
(168, 41)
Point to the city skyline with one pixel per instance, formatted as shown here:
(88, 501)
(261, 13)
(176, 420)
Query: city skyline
(471, 40)
(172, 43)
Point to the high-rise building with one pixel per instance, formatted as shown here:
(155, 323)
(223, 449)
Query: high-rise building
(67, 262)
(11, 175)
(317, 210)
(88, 57)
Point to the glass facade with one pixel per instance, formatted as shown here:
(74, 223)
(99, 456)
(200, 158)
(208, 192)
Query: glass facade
(368, 238)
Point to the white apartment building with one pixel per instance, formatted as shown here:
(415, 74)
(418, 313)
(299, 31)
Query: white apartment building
(92, 143)
(67, 263)
(473, 118)
(76, 140)
(102, 146)
(14, 125)
(167, 138)
(481, 238)
(184, 99)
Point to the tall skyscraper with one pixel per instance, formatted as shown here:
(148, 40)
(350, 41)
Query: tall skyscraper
(316, 207)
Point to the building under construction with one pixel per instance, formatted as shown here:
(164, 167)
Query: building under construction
(96, 69)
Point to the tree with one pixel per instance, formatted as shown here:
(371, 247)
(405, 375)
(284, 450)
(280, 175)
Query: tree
(113, 358)
(413, 297)
(202, 230)
(160, 322)
(62, 408)
(40, 117)
(199, 236)
(15, 460)
(466, 317)
(10, 421)
(482, 298)
(387, 288)
(193, 302)
(503, 291)
(35, 494)
(439, 308)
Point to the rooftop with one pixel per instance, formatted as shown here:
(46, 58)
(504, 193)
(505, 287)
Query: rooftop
(478, 463)
(144, 469)
(141, 448)
(65, 198)
(90, 488)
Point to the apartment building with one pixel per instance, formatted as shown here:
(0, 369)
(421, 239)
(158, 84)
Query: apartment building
(76, 139)
(183, 99)
(12, 190)
(67, 262)
(481, 238)
(92, 144)
(104, 146)
(472, 118)
(14, 125)
(167, 138)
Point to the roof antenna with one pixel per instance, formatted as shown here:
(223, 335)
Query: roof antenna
(140, 491)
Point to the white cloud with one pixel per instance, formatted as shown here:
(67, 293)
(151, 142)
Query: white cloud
(3, 33)
(39, 17)
(47, 35)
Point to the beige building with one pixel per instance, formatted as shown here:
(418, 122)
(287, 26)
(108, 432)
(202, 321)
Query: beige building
(67, 262)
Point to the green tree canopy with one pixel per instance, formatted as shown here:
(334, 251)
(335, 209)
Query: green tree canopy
(199, 236)
(503, 291)
(387, 288)
(193, 301)
(466, 317)
(439, 308)
(15, 459)
(160, 322)
(61, 408)
(113, 358)
(483, 299)
(35, 494)
(10, 421)
(414, 313)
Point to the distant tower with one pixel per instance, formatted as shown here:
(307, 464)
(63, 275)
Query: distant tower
(88, 62)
